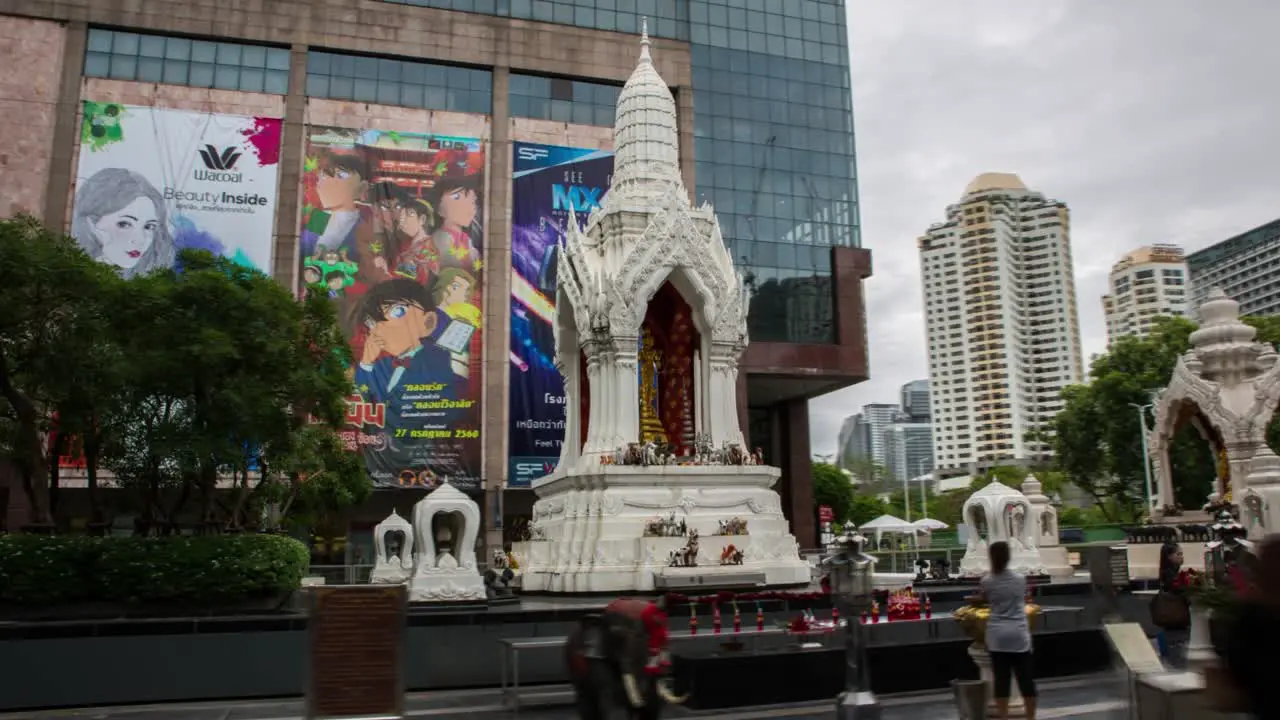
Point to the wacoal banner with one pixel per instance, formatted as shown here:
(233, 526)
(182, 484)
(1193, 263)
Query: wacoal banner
(153, 181)
(391, 230)
(547, 181)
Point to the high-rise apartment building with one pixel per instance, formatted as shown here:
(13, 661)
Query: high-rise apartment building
(1001, 320)
(915, 401)
(1246, 268)
(764, 112)
(1147, 283)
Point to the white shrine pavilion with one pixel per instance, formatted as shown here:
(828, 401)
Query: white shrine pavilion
(655, 488)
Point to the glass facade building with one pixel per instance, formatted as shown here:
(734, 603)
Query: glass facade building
(773, 122)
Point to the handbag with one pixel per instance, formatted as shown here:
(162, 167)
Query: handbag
(1170, 611)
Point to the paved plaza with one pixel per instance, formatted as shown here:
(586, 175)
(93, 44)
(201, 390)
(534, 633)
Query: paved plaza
(1081, 698)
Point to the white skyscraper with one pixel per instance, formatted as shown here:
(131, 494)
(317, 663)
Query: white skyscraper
(1147, 283)
(1000, 310)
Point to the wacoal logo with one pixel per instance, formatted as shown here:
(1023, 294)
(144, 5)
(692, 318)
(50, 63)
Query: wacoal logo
(219, 164)
(214, 160)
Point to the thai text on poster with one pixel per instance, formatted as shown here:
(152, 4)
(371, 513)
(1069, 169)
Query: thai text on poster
(154, 181)
(391, 231)
(547, 181)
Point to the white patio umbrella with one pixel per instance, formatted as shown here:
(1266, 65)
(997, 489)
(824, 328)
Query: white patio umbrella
(887, 523)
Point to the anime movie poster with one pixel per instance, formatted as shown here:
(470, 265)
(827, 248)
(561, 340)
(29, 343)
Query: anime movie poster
(391, 231)
(154, 181)
(547, 181)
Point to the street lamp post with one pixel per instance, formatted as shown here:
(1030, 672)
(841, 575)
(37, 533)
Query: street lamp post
(1146, 455)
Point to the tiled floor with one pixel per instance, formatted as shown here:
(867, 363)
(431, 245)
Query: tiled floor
(1085, 698)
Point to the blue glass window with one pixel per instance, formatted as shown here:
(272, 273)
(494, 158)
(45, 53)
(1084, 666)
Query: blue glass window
(409, 83)
(182, 61)
(561, 100)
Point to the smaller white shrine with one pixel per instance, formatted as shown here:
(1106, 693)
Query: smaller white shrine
(1052, 554)
(998, 513)
(444, 529)
(1227, 387)
(393, 543)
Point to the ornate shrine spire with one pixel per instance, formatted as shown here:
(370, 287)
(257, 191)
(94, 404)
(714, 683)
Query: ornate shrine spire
(646, 137)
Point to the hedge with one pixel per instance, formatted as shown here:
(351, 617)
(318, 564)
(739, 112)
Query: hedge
(203, 570)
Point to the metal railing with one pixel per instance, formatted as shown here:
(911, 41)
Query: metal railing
(341, 574)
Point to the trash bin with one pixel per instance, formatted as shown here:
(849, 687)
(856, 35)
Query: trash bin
(971, 699)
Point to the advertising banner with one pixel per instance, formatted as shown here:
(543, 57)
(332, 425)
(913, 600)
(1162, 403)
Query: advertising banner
(391, 231)
(154, 181)
(547, 181)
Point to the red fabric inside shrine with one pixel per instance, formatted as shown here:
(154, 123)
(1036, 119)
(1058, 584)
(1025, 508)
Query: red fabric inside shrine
(669, 319)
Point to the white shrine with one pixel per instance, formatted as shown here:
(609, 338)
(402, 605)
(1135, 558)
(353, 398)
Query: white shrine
(1227, 387)
(655, 488)
(443, 534)
(999, 513)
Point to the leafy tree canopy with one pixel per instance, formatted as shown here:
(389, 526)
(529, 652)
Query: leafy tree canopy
(171, 380)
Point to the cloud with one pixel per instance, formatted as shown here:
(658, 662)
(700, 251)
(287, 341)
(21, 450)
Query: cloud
(1155, 121)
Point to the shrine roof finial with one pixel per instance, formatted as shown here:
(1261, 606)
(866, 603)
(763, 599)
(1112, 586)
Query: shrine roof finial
(644, 41)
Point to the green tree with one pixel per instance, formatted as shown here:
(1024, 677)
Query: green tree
(865, 508)
(227, 368)
(49, 297)
(831, 487)
(1097, 437)
(867, 473)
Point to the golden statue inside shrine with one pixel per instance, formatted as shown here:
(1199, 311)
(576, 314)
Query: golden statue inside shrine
(650, 361)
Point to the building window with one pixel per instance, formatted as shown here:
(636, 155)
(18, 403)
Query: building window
(183, 61)
(399, 82)
(561, 100)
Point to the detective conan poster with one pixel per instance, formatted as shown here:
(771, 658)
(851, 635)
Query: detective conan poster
(391, 231)
(547, 181)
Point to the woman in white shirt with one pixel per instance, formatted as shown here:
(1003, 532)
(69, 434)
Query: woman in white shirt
(1008, 633)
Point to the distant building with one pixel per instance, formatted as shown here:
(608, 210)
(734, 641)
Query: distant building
(915, 401)
(1001, 319)
(1246, 268)
(1147, 283)
(908, 451)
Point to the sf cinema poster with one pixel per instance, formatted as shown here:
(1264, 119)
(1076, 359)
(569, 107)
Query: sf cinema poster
(154, 181)
(391, 232)
(547, 180)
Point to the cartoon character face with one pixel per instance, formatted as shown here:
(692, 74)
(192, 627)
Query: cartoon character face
(127, 234)
(311, 275)
(405, 326)
(331, 257)
(336, 281)
(458, 207)
(457, 291)
(388, 213)
(411, 223)
(339, 188)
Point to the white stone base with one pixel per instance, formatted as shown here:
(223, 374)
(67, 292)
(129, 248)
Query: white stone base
(1023, 560)
(389, 573)
(594, 525)
(461, 585)
(1056, 563)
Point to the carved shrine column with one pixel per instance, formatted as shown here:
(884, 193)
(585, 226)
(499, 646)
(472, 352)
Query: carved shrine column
(722, 396)
(570, 369)
(626, 383)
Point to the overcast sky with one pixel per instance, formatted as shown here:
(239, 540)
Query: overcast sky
(1156, 121)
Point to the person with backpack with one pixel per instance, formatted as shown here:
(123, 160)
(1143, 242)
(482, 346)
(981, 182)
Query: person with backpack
(1171, 607)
